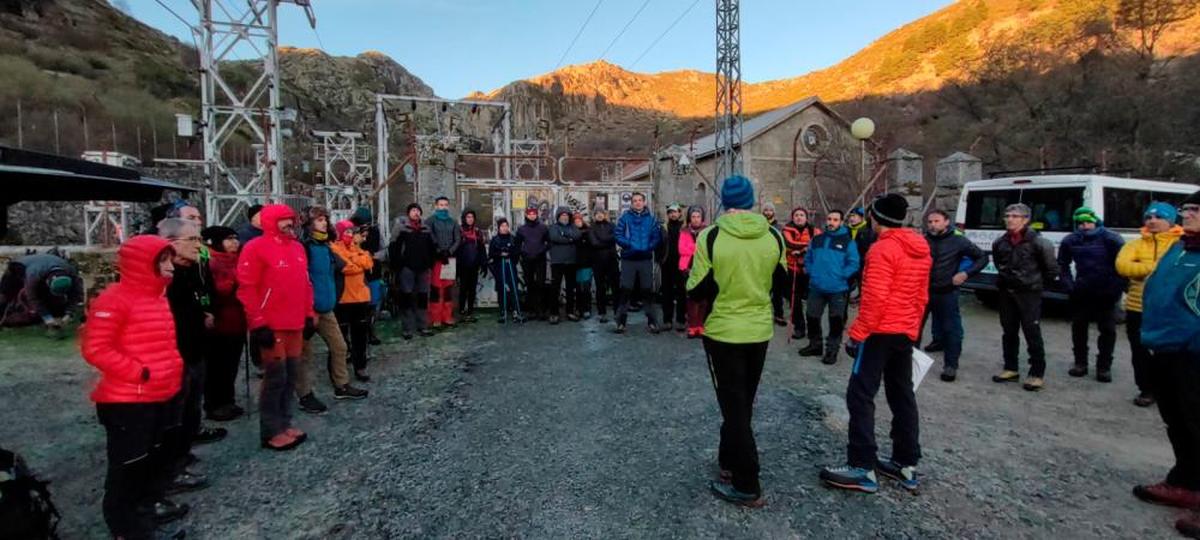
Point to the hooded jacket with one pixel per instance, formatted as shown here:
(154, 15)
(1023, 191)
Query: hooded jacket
(798, 238)
(948, 251)
(130, 332)
(603, 243)
(273, 283)
(831, 260)
(687, 239)
(532, 239)
(324, 271)
(746, 255)
(895, 286)
(563, 239)
(864, 236)
(357, 264)
(39, 267)
(1138, 258)
(1026, 266)
(1171, 319)
(227, 310)
(638, 234)
(413, 247)
(1094, 253)
(472, 252)
(671, 243)
(500, 248)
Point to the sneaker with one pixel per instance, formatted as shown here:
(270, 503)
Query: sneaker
(949, 374)
(186, 481)
(1168, 495)
(209, 435)
(281, 443)
(1077, 371)
(1188, 526)
(1104, 376)
(1144, 400)
(164, 511)
(554, 319)
(1006, 376)
(349, 392)
(814, 348)
(295, 433)
(667, 327)
(851, 478)
(586, 315)
(361, 375)
(310, 404)
(1033, 384)
(681, 327)
(425, 332)
(572, 317)
(407, 336)
(653, 328)
(603, 319)
(934, 346)
(906, 475)
(620, 329)
(728, 493)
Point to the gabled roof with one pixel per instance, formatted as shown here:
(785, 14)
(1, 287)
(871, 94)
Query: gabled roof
(751, 129)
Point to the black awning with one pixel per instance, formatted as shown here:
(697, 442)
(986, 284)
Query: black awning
(33, 176)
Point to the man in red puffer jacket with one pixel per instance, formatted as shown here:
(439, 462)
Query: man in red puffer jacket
(274, 289)
(895, 290)
(130, 338)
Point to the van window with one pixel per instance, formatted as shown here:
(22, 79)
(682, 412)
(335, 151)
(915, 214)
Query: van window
(1123, 208)
(1052, 207)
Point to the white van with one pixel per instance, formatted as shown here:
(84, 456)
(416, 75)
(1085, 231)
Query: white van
(1119, 202)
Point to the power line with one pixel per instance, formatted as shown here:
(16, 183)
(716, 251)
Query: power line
(622, 32)
(664, 34)
(579, 33)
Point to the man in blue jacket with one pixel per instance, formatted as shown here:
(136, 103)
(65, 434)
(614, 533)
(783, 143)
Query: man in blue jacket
(638, 234)
(1094, 289)
(831, 261)
(1171, 331)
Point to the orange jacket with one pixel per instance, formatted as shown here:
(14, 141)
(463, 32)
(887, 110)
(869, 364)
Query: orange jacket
(358, 263)
(895, 286)
(797, 239)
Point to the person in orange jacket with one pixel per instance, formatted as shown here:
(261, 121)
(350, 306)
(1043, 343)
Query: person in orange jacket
(354, 306)
(797, 235)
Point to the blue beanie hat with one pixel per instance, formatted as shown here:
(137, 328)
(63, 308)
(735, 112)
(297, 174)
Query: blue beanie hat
(737, 192)
(1162, 210)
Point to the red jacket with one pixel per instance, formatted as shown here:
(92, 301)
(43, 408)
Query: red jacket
(895, 286)
(227, 310)
(130, 333)
(272, 276)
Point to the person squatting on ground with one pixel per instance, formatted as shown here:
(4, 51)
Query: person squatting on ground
(697, 308)
(1025, 264)
(797, 236)
(373, 245)
(130, 337)
(533, 241)
(1093, 290)
(639, 235)
(446, 238)
(672, 292)
(583, 268)
(894, 295)
(354, 302)
(735, 264)
(471, 260)
(606, 271)
(226, 340)
(831, 261)
(502, 258)
(1135, 262)
(563, 239)
(950, 251)
(40, 288)
(274, 288)
(1171, 331)
(411, 255)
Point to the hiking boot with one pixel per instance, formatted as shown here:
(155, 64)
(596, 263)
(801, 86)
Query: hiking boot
(653, 328)
(728, 493)
(164, 511)
(667, 327)
(310, 404)
(814, 348)
(281, 443)
(225, 413)
(295, 433)
(554, 319)
(603, 319)
(831, 356)
(1033, 384)
(572, 317)
(1168, 495)
(620, 329)
(934, 346)
(349, 392)
(407, 336)
(1104, 375)
(949, 374)
(1188, 526)
(851, 478)
(906, 475)
(1144, 400)
(425, 332)
(797, 334)
(361, 375)
(186, 481)
(374, 340)
(209, 435)
(1078, 370)
(1006, 376)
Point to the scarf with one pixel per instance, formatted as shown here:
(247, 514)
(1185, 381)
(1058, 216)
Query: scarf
(319, 236)
(1191, 241)
(441, 215)
(470, 234)
(414, 224)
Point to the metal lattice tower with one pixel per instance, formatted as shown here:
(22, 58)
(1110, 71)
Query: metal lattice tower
(728, 130)
(347, 179)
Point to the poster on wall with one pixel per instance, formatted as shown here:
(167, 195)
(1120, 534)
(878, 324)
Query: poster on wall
(626, 200)
(519, 199)
(600, 202)
(576, 201)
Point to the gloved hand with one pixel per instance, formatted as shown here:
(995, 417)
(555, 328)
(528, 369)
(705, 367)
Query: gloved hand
(310, 327)
(852, 348)
(262, 337)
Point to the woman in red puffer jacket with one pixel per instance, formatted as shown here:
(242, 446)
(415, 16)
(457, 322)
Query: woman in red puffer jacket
(130, 337)
(227, 338)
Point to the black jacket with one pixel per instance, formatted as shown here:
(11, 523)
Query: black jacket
(500, 248)
(1027, 266)
(602, 242)
(472, 255)
(190, 297)
(671, 256)
(583, 248)
(532, 239)
(412, 248)
(948, 250)
(562, 243)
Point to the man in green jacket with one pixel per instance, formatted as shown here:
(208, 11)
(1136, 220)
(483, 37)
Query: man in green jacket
(734, 264)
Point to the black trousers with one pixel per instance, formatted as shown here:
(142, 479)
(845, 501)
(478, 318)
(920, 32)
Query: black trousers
(1086, 310)
(606, 272)
(558, 274)
(779, 292)
(222, 357)
(138, 465)
(1140, 356)
(468, 285)
(736, 370)
(672, 294)
(886, 358)
(1175, 378)
(1022, 311)
(534, 273)
(355, 322)
(188, 409)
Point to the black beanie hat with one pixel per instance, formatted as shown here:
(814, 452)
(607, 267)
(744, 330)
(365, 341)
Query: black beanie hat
(890, 210)
(411, 206)
(253, 210)
(1194, 198)
(215, 235)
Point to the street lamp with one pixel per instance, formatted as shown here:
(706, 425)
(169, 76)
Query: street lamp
(862, 129)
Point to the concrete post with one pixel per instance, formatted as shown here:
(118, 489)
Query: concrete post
(905, 175)
(953, 172)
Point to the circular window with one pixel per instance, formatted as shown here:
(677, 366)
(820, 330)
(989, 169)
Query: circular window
(815, 138)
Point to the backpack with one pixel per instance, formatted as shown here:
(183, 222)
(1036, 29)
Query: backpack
(25, 507)
(707, 289)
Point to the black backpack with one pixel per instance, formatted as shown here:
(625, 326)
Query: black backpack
(706, 290)
(26, 511)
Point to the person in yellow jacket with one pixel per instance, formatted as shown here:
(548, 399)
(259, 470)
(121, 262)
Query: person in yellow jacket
(354, 302)
(1135, 262)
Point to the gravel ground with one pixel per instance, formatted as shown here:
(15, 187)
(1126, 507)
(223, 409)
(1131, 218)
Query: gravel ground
(570, 431)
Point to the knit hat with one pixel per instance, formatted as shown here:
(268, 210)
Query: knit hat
(215, 235)
(531, 209)
(674, 207)
(362, 216)
(560, 211)
(1085, 215)
(1194, 198)
(768, 206)
(253, 210)
(343, 226)
(60, 285)
(1161, 210)
(859, 210)
(890, 210)
(413, 205)
(737, 192)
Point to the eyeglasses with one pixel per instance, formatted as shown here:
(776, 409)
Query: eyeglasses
(187, 238)
(1013, 216)
(1189, 209)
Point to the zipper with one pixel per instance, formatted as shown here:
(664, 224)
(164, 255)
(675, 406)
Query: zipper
(266, 297)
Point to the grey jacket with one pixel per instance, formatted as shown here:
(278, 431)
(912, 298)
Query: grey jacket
(563, 240)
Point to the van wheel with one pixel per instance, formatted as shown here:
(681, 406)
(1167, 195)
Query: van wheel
(990, 299)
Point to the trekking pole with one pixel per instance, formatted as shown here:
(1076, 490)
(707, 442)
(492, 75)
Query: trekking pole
(791, 326)
(503, 293)
(516, 296)
(246, 361)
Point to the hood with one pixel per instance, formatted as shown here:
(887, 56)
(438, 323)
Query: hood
(136, 262)
(841, 230)
(342, 227)
(913, 243)
(463, 218)
(560, 211)
(1175, 231)
(271, 215)
(743, 225)
(362, 216)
